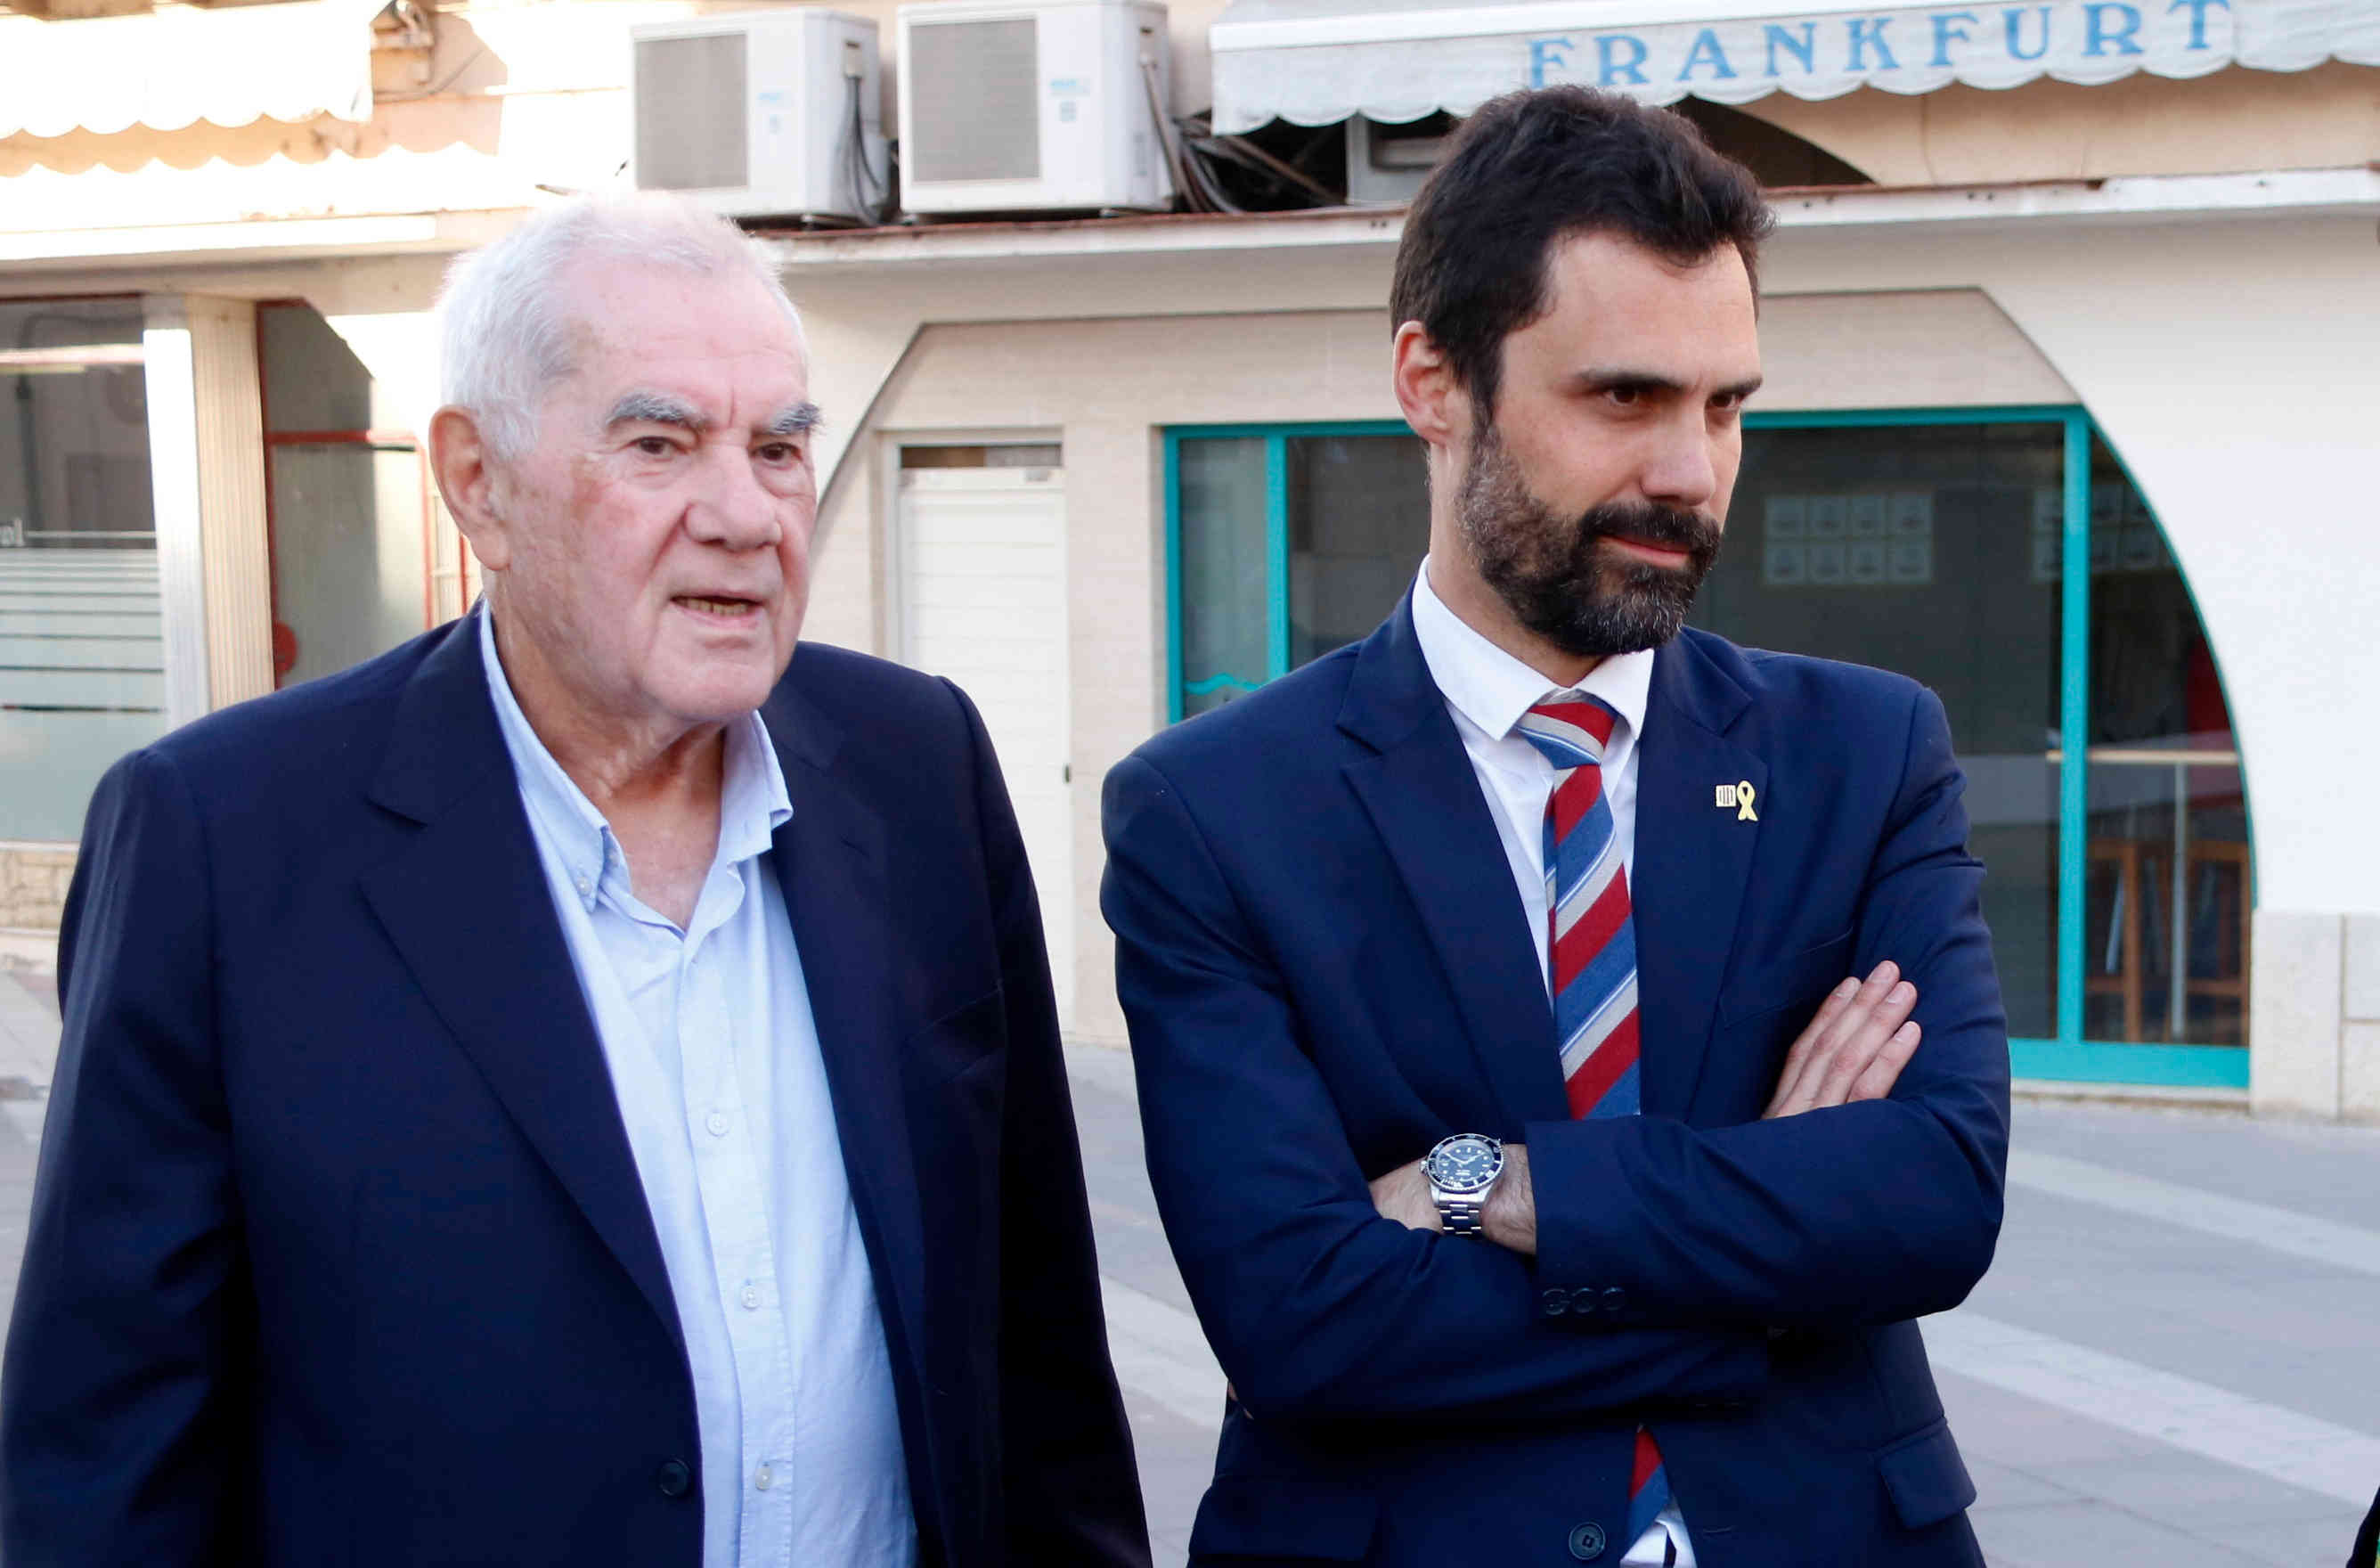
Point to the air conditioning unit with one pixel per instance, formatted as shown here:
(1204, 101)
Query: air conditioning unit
(1388, 163)
(762, 114)
(1049, 108)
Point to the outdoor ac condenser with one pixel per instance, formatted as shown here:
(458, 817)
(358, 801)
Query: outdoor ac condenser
(1049, 108)
(762, 114)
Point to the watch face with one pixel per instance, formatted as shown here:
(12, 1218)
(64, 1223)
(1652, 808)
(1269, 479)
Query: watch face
(1466, 1162)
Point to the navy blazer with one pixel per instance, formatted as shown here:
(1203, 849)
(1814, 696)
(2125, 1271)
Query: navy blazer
(338, 1252)
(1325, 968)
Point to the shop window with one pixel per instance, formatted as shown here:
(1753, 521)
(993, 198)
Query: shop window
(361, 561)
(1288, 543)
(1936, 545)
(82, 667)
(2170, 888)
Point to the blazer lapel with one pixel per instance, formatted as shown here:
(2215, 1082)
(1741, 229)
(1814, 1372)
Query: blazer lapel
(1423, 798)
(830, 864)
(468, 907)
(1691, 860)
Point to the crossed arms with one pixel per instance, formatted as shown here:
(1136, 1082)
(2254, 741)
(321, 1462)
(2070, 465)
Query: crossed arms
(1846, 1211)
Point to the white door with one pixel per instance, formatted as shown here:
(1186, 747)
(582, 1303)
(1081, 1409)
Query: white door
(982, 563)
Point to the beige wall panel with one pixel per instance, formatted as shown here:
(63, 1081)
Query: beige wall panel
(846, 578)
(231, 499)
(1159, 370)
(2231, 122)
(1950, 349)
(2294, 1025)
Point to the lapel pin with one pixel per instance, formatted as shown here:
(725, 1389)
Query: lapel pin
(1738, 797)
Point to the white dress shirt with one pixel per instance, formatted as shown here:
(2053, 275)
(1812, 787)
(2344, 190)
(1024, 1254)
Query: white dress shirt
(1486, 692)
(714, 1057)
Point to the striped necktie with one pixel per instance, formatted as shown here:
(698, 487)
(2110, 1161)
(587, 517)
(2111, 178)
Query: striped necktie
(1592, 942)
(1592, 947)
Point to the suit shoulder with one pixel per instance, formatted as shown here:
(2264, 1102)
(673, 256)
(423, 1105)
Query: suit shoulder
(287, 734)
(1293, 711)
(846, 683)
(1798, 679)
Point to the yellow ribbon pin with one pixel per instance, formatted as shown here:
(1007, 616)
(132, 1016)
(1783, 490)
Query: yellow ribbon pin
(1743, 811)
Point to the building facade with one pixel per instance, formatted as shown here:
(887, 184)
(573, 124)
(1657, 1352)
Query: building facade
(2071, 388)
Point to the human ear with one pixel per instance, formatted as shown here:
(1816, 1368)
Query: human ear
(468, 478)
(1431, 398)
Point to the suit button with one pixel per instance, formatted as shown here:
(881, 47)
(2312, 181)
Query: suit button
(1557, 1302)
(1587, 1542)
(674, 1479)
(1582, 1301)
(1614, 1299)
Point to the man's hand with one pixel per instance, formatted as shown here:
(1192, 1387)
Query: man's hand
(1854, 1048)
(1403, 1195)
(1510, 1219)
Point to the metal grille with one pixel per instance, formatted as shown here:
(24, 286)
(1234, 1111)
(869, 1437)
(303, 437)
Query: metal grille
(977, 115)
(691, 97)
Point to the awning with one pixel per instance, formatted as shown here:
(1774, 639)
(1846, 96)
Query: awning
(1314, 62)
(182, 64)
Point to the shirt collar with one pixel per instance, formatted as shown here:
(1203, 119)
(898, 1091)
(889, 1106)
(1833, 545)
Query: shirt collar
(1493, 689)
(752, 799)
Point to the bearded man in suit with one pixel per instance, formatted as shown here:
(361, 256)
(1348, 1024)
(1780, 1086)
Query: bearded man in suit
(1546, 1183)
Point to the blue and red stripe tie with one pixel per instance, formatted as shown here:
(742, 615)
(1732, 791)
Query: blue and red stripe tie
(1591, 948)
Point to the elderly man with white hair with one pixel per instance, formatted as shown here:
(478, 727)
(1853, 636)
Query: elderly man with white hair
(583, 1087)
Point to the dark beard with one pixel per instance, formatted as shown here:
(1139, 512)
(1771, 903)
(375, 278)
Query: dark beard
(1550, 573)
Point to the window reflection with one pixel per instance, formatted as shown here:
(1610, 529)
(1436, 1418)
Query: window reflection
(1224, 597)
(1932, 551)
(2170, 885)
(84, 678)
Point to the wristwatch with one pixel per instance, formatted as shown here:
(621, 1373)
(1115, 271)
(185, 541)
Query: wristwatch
(1463, 1171)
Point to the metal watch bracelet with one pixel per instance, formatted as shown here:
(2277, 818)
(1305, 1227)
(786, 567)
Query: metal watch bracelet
(1461, 1217)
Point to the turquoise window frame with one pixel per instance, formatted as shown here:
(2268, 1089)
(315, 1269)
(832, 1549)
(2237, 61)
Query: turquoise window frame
(2069, 1058)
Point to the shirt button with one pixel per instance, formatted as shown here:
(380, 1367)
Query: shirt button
(717, 1122)
(584, 887)
(750, 1298)
(761, 1477)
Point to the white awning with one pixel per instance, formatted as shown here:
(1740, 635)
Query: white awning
(182, 64)
(1314, 62)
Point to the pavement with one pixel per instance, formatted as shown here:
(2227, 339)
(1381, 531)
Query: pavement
(2174, 1361)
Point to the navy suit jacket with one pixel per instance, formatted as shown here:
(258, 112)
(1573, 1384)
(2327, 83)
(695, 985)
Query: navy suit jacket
(1326, 969)
(338, 1252)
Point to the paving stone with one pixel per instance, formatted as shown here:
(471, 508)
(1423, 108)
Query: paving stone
(2073, 1535)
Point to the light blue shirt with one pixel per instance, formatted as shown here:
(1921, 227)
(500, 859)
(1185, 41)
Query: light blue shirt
(714, 1057)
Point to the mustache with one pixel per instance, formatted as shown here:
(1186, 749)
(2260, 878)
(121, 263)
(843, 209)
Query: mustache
(1649, 522)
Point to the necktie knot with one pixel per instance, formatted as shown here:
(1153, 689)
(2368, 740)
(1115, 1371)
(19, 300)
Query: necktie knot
(1570, 728)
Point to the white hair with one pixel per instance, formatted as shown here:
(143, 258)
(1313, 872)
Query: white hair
(506, 334)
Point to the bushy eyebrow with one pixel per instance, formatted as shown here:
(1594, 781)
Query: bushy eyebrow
(799, 419)
(660, 409)
(656, 408)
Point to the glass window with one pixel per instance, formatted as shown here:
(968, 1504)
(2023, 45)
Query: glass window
(82, 667)
(1289, 545)
(1222, 586)
(348, 501)
(2169, 883)
(1922, 549)
(1358, 528)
